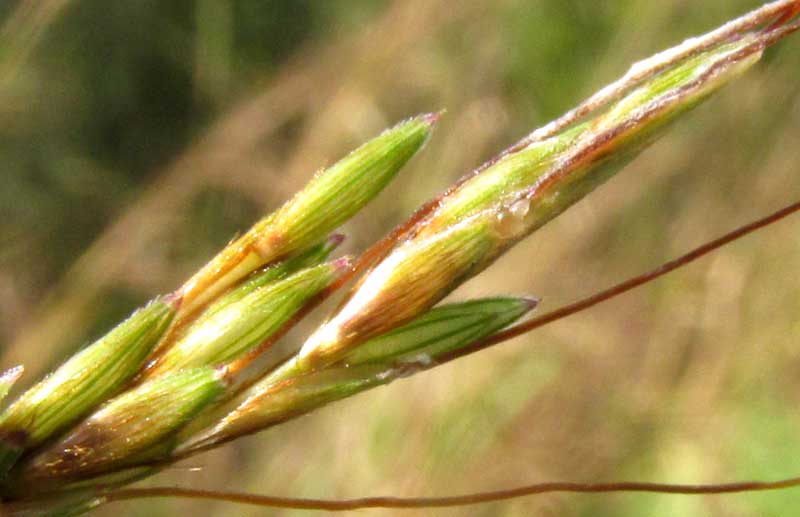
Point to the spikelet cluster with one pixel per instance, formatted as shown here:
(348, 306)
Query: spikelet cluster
(179, 375)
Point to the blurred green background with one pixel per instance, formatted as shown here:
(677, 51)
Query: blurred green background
(136, 138)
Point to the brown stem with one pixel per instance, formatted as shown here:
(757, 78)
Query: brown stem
(336, 505)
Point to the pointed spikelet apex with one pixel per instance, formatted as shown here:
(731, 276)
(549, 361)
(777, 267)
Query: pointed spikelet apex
(332, 197)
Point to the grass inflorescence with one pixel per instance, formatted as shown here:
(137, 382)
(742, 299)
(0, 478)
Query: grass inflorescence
(181, 375)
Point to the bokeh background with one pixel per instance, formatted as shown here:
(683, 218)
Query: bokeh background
(136, 138)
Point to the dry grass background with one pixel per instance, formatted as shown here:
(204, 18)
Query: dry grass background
(135, 139)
